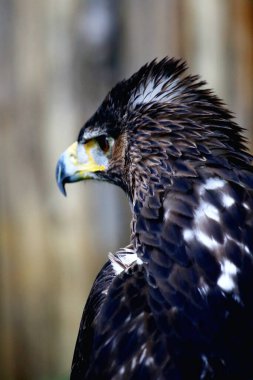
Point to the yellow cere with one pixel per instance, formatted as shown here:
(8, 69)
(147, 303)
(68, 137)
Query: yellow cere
(72, 152)
(92, 165)
(82, 159)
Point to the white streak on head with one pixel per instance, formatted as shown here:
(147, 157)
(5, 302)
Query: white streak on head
(226, 280)
(95, 132)
(163, 91)
(147, 93)
(227, 201)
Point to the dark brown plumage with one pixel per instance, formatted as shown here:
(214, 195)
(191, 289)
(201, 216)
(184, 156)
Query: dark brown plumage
(177, 303)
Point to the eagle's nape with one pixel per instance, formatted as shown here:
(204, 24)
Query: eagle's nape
(177, 303)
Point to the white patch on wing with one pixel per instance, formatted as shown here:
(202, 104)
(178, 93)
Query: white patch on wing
(212, 184)
(144, 358)
(212, 212)
(246, 248)
(226, 280)
(242, 246)
(206, 209)
(149, 361)
(122, 370)
(206, 240)
(167, 215)
(143, 354)
(134, 362)
(205, 366)
(203, 287)
(188, 235)
(204, 212)
(227, 201)
(245, 205)
(122, 261)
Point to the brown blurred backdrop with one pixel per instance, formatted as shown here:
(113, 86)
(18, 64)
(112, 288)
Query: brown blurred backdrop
(58, 59)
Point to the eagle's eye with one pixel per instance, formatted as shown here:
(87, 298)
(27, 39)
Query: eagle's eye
(103, 142)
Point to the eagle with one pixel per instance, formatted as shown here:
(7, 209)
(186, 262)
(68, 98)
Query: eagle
(177, 302)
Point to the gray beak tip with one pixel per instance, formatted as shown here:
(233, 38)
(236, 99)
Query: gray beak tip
(60, 177)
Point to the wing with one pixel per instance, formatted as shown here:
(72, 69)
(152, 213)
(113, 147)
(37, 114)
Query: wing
(127, 342)
(187, 311)
(133, 333)
(93, 305)
(197, 243)
(114, 339)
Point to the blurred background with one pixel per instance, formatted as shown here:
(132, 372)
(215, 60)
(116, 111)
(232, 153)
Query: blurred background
(58, 59)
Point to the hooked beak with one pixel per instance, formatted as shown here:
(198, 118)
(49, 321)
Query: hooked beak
(77, 163)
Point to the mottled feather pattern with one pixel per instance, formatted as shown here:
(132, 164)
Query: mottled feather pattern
(185, 310)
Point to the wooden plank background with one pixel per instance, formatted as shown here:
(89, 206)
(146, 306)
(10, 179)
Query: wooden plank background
(58, 59)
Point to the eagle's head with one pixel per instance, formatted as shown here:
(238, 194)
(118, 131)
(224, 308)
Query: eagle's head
(159, 122)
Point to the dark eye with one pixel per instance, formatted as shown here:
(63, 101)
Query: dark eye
(103, 143)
